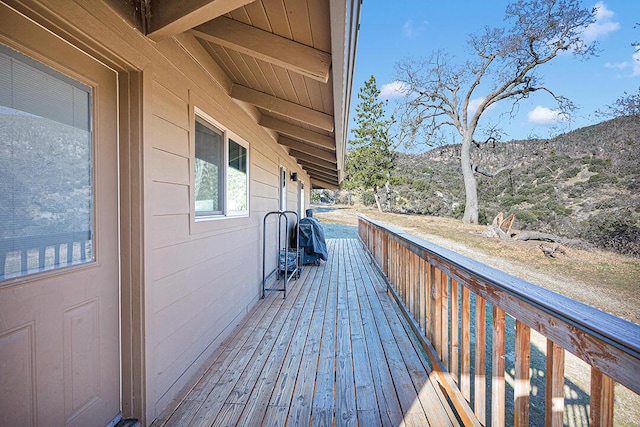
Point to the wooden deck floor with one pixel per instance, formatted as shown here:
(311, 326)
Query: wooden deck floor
(334, 352)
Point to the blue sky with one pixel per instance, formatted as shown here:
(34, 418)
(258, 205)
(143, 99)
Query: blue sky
(393, 31)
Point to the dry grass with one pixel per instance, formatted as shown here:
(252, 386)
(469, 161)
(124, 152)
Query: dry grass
(603, 279)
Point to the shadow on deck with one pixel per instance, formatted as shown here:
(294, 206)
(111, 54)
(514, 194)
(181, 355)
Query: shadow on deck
(336, 351)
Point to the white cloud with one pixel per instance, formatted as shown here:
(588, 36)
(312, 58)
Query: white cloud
(475, 103)
(395, 89)
(409, 30)
(603, 25)
(617, 66)
(545, 116)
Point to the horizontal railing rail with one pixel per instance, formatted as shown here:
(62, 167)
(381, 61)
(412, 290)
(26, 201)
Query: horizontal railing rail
(444, 296)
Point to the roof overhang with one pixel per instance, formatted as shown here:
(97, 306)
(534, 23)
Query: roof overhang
(289, 63)
(345, 13)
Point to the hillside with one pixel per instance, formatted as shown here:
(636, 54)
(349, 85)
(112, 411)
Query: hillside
(583, 184)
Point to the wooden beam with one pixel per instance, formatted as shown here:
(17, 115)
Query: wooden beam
(317, 169)
(311, 168)
(313, 160)
(318, 183)
(283, 107)
(318, 172)
(297, 132)
(168, 18)
(308, 149)
(325, 179)
(268, 47)
(200, 55)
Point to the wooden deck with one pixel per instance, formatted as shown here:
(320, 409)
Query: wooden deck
(335, 352)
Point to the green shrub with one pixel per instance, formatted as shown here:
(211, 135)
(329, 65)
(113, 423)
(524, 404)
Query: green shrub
(542, 172)
(483, 217)
(367, 198)
(420, 185)
(427, 170)
(571, 172)
(545, 189)
(526, 216)
(558, 209)
(602, 179)
(458, 211)
(596, 164)
(617, 231)
(526, 190)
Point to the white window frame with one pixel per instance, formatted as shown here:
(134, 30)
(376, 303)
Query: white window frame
(282, 186)
(227, 135)
(301, 197)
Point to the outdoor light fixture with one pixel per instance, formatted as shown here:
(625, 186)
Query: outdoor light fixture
(294, 176)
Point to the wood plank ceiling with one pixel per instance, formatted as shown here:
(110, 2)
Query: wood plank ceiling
(276, 57)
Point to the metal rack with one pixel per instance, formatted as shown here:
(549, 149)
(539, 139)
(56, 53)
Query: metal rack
(282, 250)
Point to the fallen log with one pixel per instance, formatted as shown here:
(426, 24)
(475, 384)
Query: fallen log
(546, 237)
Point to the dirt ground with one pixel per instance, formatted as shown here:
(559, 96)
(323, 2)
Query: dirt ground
(598, 278)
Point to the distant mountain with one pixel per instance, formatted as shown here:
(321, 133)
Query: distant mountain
(583, 184)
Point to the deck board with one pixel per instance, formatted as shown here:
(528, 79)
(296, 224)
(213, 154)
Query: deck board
(334, 352)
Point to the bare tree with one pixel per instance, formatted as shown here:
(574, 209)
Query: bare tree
(502, 66)
(629, 103)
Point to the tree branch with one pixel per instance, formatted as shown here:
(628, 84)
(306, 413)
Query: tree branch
(476, 168)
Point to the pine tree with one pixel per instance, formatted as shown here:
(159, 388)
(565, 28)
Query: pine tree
(370, 160)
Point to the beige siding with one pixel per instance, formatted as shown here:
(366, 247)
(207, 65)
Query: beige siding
(202, 282)
(198, 282)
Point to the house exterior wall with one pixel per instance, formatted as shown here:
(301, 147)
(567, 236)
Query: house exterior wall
(202, 277)
(197, 280)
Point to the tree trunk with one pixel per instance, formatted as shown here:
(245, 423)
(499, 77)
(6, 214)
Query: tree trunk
(377, 198)
(470, 185)
(387, 187)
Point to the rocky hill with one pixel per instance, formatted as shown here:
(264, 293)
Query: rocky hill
(583, 184)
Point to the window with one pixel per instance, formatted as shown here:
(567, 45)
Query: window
(238, 184)
(221, 179)
(46, 172)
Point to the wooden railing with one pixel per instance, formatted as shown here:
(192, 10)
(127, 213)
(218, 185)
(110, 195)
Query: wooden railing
(444, 296)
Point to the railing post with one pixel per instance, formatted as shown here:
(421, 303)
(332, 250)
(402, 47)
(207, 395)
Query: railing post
(424, 296)
(602, 392)
(453, 340)
(480, 380)
(497, 369)
(385, 254)
(554, 385)
(522, 387)
(406, 289)
(436, 311)
(444, 301)
(465, 360)
(416, 284)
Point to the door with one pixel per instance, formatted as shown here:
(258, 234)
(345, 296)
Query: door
(59, 269)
